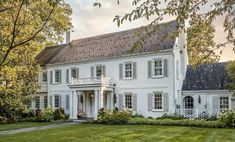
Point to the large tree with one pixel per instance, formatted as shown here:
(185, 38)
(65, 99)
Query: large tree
(27, 26)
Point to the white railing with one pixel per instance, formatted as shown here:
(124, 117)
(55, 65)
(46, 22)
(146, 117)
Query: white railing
(95, 80)
(199, 113)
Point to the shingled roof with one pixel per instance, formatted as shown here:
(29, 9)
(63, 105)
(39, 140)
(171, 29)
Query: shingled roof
(206, 77)
(48, 53)
(115, 45)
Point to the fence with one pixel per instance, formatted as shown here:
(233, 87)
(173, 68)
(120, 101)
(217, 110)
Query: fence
(198, 113)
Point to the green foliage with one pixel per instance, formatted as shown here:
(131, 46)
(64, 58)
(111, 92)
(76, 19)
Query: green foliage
(113, 117)
(59, 114)
(3, 120)
(227, 117)
(230, 68)
(171, 116)
(182, 122)
(48, 115)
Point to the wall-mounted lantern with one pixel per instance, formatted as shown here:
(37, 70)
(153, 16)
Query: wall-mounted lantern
(199, 99)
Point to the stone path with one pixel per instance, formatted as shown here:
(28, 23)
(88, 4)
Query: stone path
(9, 132)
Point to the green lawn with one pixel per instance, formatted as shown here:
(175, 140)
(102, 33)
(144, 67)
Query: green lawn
(18, 125)
(122, 133)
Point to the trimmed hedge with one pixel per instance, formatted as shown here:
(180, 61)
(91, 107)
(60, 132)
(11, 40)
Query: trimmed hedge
(182, 122)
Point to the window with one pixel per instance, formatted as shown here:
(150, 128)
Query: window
(128, 101)
(158, 101)
(188, 102)
(44, 77)
(37, 102)
(45, 101)
(128, 70)
(57, 76)
(98, 71)
(224, 103)
(158, 67)
(74, 73)
(57, 101)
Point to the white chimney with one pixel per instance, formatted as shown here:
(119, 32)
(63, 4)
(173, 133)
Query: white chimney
(67, 37)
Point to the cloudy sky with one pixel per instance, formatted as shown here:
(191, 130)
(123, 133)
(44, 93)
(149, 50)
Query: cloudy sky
(91, 21)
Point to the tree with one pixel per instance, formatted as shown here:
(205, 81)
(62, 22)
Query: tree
(27, 26)
(230, 68)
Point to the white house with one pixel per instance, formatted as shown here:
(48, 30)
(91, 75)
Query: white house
(105, 71)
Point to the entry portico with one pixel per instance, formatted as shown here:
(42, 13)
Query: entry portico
(88, 95)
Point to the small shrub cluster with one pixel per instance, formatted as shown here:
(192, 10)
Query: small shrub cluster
(180, 122)
(3, 120)
(172, 116)
(114, 117)
(228, 117)
(49, 115)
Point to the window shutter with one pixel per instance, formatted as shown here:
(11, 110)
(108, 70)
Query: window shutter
(120, 71)
(67, 75)
(60, 76)
(79, 101)
(134, 102)
(165, 68)
(92, 72)
(120, 101)
(51, 77)
(150, 102)
(67, 102)
(134, 70)
(50, 100)
(165, 101)
(60, 101)
(103, 70)
(215, 103)
(77, 73)
(149, 69)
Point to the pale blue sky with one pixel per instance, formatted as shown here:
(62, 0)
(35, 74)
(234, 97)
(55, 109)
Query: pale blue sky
(91, 21)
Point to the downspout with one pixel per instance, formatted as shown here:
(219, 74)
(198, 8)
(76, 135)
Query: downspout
(174, 81)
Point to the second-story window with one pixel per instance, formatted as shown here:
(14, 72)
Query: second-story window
(74, 73)
(44, 77)
(128, 70)
(158, 67)
(57, 76)
(98, 71)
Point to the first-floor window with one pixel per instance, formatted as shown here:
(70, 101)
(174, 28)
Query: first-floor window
(128, 101)
(224, 103)
(45, 101)
(37, 102)
(57, 101)
(158, 101)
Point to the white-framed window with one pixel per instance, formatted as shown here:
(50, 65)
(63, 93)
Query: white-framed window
(128, 101)
(57, 76)
(45, 101)
(224, 103)
(44, 77)
(57, 101)
(128, 70)
(37, 102)
(74, 73)
(158, 101)
(158, 67)
(98, 70)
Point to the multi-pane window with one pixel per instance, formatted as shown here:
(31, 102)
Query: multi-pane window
(224, 103)
(98, 71)
(158, 101)
(37, 102)
(45, 101)
(57, 101)
(158, 67)
(128, 101)
(57, 76)
(44, 77)
(128, 70)
(74, 73)
(188, 102)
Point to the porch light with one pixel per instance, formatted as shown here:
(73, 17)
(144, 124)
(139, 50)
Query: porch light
(199, 99)
(92, 96)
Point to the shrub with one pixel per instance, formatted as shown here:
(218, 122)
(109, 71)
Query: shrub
(113, 117)
(171, 116)
(58, 114)
(227, 117)
(3, 120)
(138, 115)
(47, 115)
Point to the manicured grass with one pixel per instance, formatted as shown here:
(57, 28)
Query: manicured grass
(123, 133)
(18, 125)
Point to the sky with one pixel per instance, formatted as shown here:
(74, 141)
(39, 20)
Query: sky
(91, 21)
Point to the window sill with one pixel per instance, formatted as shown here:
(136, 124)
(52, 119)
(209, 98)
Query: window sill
(156, 77)
(128, 78)
(56, 83)
(157, 110)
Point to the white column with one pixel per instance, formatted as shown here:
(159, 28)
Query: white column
(53, 101)
(111, 100)
(96, 104)
(101, 98)
(75, 102)
(71, 105)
